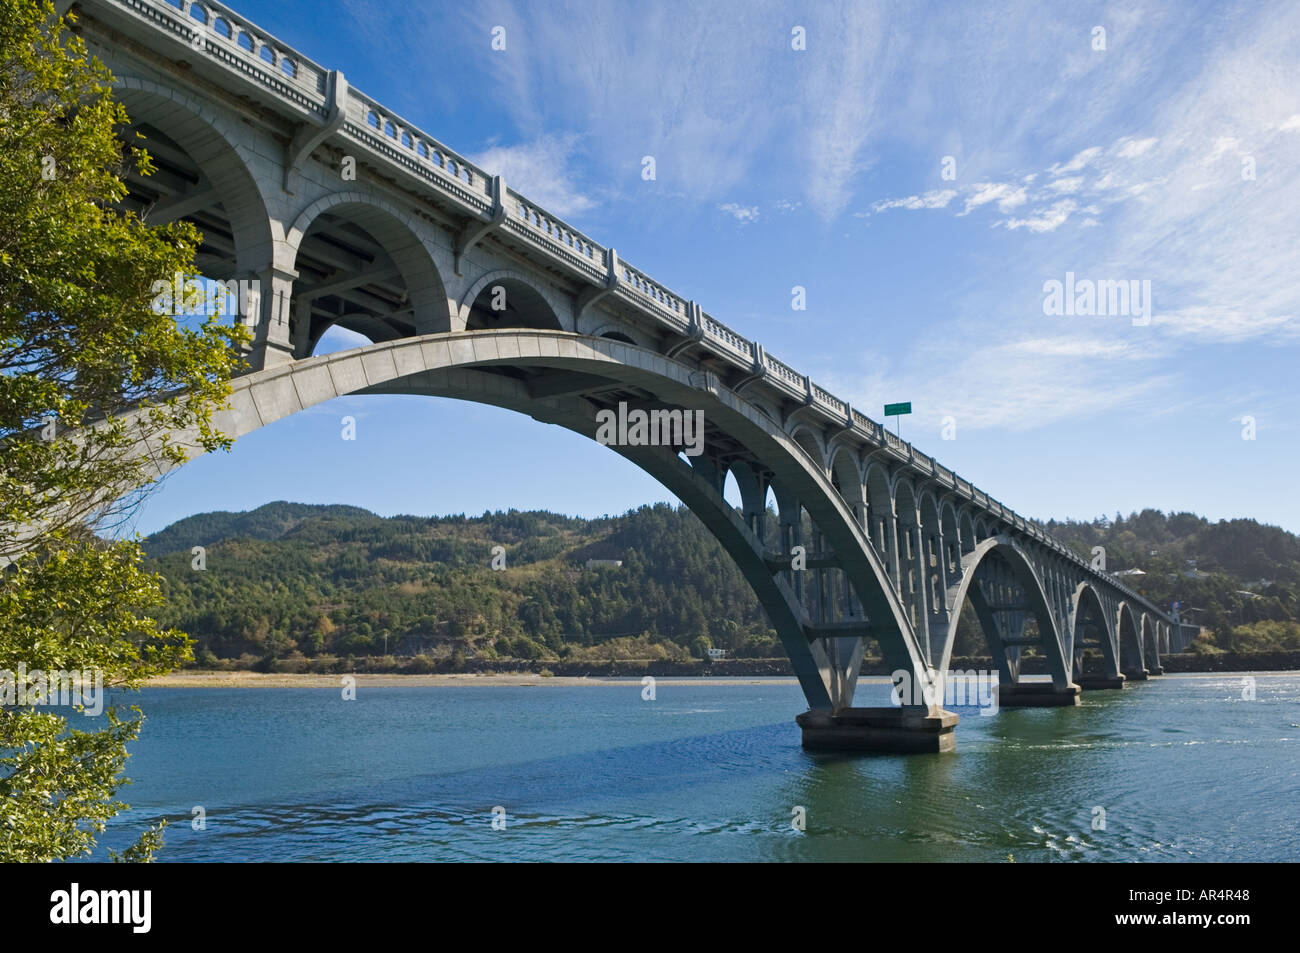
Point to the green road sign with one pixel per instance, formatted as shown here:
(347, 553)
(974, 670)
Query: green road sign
(894, 410)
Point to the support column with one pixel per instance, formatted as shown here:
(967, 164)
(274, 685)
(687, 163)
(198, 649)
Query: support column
(271, 344)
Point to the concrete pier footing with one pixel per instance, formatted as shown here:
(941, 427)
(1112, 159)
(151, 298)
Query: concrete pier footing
(1158, 670)
(1093, 683)
(1140, 676)
(884, 730)
(1037, 695)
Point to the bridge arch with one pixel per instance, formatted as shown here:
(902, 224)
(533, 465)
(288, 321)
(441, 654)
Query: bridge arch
(968, 540)
(881, 528)
(1004, 550)
(455, 365)
(931, 556)
(911, 577)
(223, 158)
(846, 477)
(951, 537)
(1129, 640)
(1089, 610)
(528, 304)
(810, 441)
(374, 262)
(619, 332)
(1150, 644)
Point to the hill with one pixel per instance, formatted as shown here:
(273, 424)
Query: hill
(1238, 578)
(291, 580)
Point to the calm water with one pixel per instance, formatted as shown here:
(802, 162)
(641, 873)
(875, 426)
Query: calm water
(1184, 768)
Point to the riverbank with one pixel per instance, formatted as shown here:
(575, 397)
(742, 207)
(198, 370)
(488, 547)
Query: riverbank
(727, 671)
(506, 679)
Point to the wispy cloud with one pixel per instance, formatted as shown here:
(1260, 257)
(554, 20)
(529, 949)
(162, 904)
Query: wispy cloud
(744, 214)
(542, 169)
(936, 198)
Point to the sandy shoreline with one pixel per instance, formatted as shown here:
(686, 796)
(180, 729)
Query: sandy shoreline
(518, 679)
(263, 680)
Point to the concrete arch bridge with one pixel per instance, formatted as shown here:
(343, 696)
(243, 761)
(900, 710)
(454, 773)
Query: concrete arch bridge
(340, 212)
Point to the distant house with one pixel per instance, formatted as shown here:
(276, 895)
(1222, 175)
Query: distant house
(1129, 572)
(604, 564)
(717, 654)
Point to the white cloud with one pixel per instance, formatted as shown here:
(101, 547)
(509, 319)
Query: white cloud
(937, 198)
(542, 170)
(1007, 196)
(744, 214)
(1047, 221)
(1081, 159)
(1132, 148)
(1067, 185)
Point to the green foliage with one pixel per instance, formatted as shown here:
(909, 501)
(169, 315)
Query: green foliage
(80, 605)
(80, 342)
(88, 370)
(333, 580)
(1239, 575)
(57, 785)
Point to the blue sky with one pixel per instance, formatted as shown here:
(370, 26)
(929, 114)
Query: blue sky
(824, 168)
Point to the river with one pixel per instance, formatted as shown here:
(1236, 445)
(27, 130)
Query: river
(1177, 768)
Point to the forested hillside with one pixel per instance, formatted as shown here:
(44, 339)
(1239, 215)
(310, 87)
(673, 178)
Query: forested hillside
(288, 579)
(291, 580)
(1239, 578)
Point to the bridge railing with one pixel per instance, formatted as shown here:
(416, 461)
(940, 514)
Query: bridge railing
(412, 147)
(635, 285)
(784, 376)
(239, 43)
(535, 223)
(729, 339)
(264, 60)
(829, 401)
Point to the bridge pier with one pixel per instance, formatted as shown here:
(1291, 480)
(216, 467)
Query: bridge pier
(1037, 695)
(1138, 676)
(880, 730)
(1092, 683)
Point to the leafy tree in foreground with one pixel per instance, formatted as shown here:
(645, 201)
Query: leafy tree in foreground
(88, 368)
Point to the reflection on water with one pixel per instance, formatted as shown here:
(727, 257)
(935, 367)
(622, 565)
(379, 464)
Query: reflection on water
(1180, 767)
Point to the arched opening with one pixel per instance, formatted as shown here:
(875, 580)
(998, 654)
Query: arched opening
(731, 491)
(1011, 605)
(952, 550)
(880, 518)
(1093, 651)
(362, 269)
(907, 533)
(351, 330)
(618, 336)
(1130, 648)
(198, 177)
(968, 538)
(808, 442)
(1150, 648)
(771, 518)
(846, 477)
(932, 554)
(511, 303)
